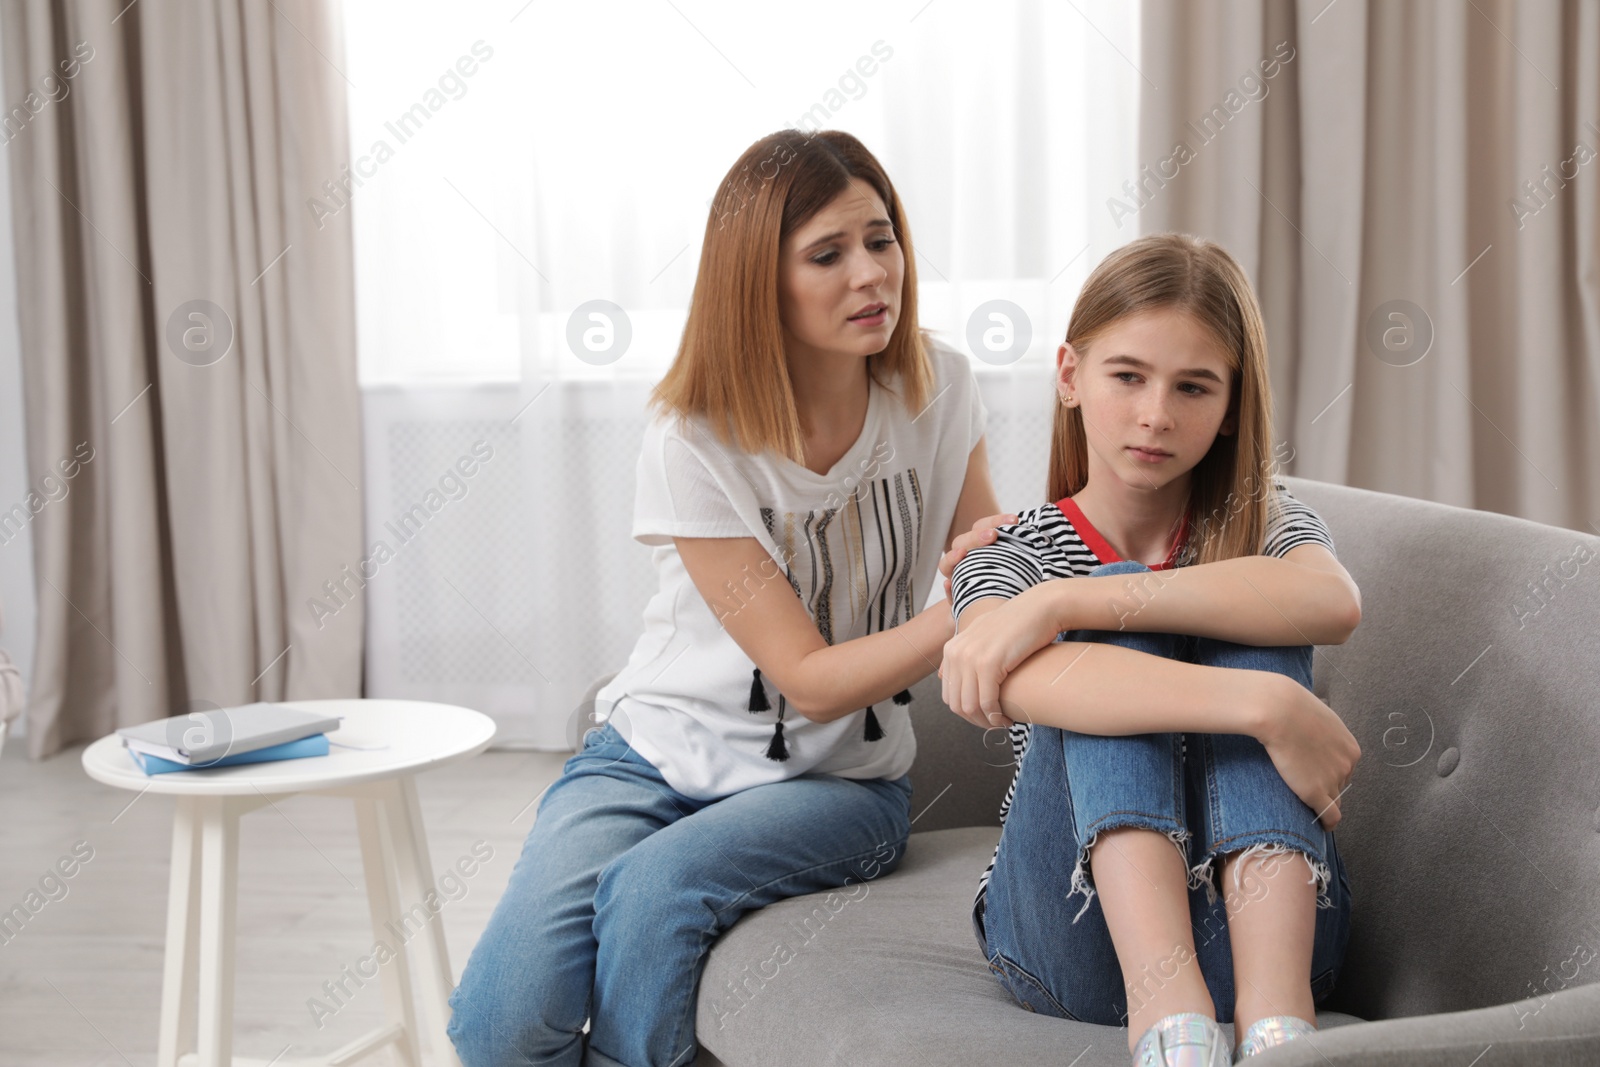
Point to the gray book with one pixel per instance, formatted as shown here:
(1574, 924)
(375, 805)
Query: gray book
(206, 736)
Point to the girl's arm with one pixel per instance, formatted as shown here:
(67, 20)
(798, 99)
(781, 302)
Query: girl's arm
(1305, 597)
(997, 671)
(1109, 690)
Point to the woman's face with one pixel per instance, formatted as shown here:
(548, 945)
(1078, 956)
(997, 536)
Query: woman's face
(839, 277)
(1154, 380)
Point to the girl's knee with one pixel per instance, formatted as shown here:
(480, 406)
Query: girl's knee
(1137, 588)
(1293, 661)
(1109, 760)
(1167, 646)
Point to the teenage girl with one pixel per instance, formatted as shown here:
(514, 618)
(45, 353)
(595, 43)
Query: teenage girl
(1167, 858)
(811, 458)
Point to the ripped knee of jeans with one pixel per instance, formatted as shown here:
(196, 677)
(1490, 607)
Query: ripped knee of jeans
(1082, 881)
(1271, 854)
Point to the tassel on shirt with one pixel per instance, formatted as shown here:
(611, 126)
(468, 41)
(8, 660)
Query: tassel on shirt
(758, 692)
(903, 697)
(778, 749)
(872, 731)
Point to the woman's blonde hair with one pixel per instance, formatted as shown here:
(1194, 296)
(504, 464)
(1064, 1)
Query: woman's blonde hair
(1230, 489)
(730, 367)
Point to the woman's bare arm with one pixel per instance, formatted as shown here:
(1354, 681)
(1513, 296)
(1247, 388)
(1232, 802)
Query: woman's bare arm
(977, 495)
(752, 599)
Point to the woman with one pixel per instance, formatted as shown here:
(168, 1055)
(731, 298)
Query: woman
(812, 457)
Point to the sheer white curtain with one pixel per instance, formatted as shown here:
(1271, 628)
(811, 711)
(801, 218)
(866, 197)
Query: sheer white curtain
(519, 162)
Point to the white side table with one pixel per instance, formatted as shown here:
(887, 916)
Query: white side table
(396, 740)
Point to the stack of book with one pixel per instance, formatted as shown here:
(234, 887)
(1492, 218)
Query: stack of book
(251, 733)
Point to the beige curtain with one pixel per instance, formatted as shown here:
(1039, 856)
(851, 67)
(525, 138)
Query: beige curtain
(188, 355)
(1415, 190)
(10, 691)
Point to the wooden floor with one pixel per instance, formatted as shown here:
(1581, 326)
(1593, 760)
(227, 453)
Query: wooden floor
(80, 984)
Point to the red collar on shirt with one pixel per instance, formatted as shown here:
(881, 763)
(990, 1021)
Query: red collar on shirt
(1102, 548)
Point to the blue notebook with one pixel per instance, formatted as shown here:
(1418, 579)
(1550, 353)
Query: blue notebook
(315, 745)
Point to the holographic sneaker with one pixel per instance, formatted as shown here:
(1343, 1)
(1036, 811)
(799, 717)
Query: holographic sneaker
(1187, 1039)
(1269, 1032)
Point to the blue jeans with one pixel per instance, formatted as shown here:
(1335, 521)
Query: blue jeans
(621, 888)
(1041, 927)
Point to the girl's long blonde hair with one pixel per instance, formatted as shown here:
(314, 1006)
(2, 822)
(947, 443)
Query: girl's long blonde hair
(1231, 488)
(730, 367)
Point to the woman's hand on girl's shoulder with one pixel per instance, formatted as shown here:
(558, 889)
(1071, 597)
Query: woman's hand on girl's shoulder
(982, 533)
(994, 636)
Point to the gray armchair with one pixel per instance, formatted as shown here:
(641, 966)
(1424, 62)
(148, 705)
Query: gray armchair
(1470, 832)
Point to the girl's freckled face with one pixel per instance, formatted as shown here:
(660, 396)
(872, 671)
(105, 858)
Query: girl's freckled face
(1156, 379)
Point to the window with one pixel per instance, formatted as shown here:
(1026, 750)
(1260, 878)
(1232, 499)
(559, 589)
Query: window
(514, 161)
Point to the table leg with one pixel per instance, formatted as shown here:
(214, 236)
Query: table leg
(382, 900)
(409, 839)
(178, 985)
(219, 877)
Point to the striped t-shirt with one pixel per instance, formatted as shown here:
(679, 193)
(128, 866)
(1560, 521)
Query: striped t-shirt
(1044, 543)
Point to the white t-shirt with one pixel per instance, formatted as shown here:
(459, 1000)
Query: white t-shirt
(859, 546)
